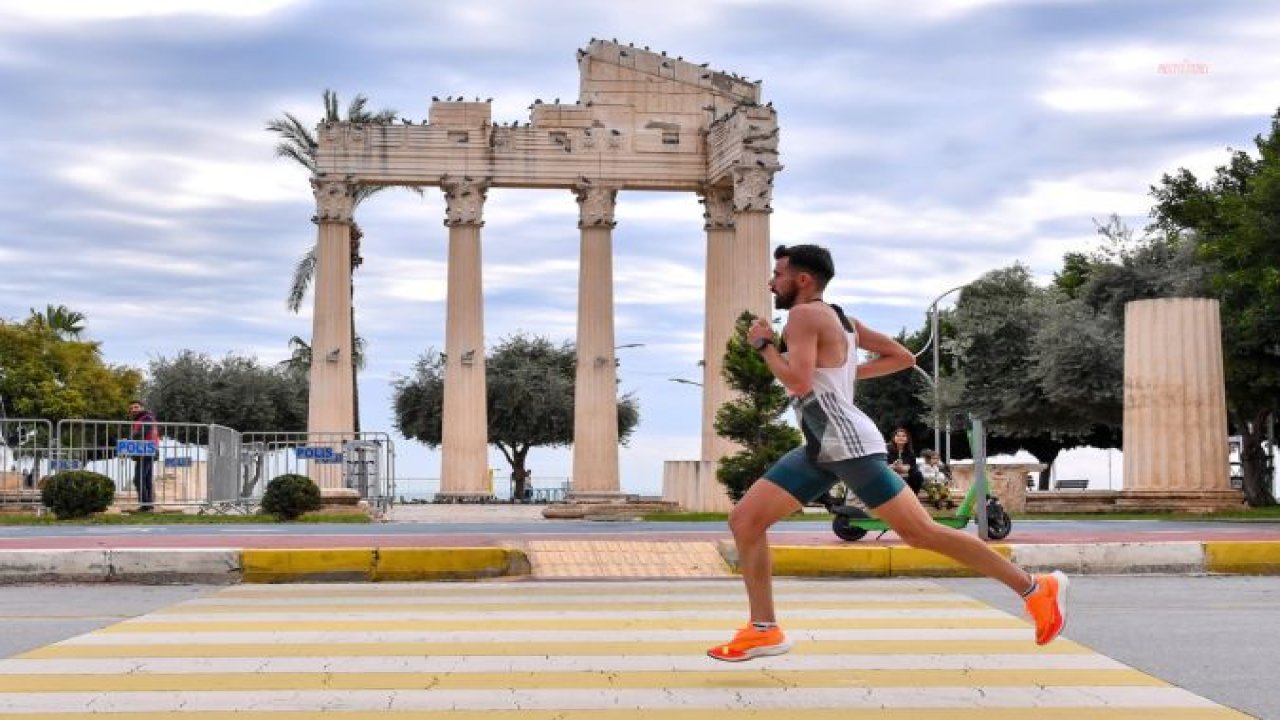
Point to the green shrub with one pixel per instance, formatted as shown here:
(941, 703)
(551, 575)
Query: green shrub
(77, 493)
(289, 496)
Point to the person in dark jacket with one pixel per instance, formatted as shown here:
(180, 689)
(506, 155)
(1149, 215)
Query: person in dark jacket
(144, 428)
(902, 458)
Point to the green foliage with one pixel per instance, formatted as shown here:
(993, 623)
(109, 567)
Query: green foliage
(77, 493)
(1043, 370)
(752, 420)
(235, 391)
(68, 324)
(1233, 220)
(290, 496)
(44, 375)
(529, 400)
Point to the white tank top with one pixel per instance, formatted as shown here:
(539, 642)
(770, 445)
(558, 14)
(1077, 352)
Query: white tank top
(834, 428)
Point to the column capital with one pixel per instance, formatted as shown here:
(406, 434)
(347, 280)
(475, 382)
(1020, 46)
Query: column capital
(753, 189)
(335, 200)
(464, 198)
(595, 204)
(718, 201)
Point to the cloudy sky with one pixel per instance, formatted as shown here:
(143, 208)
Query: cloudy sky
(924, 141)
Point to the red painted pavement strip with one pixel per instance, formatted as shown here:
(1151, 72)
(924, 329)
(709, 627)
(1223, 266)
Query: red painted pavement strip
(787, 537)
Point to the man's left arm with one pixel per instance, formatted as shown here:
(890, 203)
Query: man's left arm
(795, 371)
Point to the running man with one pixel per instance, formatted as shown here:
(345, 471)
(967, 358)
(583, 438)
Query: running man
(819, 368)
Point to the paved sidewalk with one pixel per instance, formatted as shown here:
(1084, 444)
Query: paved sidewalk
(542, 650)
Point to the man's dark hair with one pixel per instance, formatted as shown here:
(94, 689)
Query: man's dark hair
(137, 402)
(812, 259)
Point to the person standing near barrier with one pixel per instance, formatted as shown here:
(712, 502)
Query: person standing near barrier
(818, 369)
(144, 428)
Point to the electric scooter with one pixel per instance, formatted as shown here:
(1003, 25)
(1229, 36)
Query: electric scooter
(852, 523)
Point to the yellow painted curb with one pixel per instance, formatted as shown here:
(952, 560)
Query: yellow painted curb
(910, 562)
(844, 561)
(1257, 557)
(309, 564)
(452, 563)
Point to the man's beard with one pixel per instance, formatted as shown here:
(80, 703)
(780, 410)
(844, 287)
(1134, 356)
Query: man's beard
(784, 301)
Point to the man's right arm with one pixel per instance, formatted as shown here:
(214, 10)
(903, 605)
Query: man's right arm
(890, 355)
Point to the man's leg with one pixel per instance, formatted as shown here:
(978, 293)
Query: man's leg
(146, 489)
(763, 505)
(907, 517)
(1045, 595)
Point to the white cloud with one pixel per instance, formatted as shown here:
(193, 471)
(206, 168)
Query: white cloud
(1197, 78)
(170, 181)
(91, 10)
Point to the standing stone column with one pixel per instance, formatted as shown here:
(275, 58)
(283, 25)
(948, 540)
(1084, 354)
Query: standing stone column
(1175, 408)
(752, 258)
(595, 402)
(464, 473)
(330, 403)
(719, 316)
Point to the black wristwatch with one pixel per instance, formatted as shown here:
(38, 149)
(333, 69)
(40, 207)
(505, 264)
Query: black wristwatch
(761, 343)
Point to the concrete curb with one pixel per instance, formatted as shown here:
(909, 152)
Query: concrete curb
(229, 566)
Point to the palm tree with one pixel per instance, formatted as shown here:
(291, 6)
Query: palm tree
(300, 355)
(66, 323)
(298, 143)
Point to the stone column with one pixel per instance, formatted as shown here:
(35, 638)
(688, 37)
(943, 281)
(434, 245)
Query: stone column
(752, 258)
(1175, 409)
(719, 316)
(595, 402)
(464, 473)
(330, 404)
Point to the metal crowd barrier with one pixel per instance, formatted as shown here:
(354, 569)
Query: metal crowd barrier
(361, 462)
(25, 459)
(191, 465)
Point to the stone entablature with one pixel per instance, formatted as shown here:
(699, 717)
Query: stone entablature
(644, 121)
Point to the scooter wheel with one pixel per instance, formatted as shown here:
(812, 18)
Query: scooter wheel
(844, 528)
(999, 524)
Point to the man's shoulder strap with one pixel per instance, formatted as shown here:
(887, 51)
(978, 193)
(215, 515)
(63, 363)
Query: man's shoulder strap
(844, 319)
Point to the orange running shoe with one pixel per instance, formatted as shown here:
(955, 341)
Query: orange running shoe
(752, 643)
(1048, 606)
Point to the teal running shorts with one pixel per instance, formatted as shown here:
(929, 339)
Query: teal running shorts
(869, 477)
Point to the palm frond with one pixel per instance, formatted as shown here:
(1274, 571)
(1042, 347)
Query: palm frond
(331, 106)
(303, 272)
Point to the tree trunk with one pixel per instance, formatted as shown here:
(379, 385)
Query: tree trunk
(355, 376)
(1253, 462)
(519, 475)
(1048, 457)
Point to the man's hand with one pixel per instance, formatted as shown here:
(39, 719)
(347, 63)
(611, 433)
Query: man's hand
(760, 329)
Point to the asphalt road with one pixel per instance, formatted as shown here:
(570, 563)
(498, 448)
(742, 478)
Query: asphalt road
(425, 534)
(1215, 636)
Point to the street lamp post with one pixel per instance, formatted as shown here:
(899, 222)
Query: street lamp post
(937, 359)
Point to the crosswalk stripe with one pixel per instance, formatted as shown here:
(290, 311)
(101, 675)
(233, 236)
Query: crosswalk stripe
(535, 664)
(985, 620)
(1031, 698)
(580, 680)
(584, 603)
(610, 614)
(526, 637)
(870, 647)
(985, 712)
